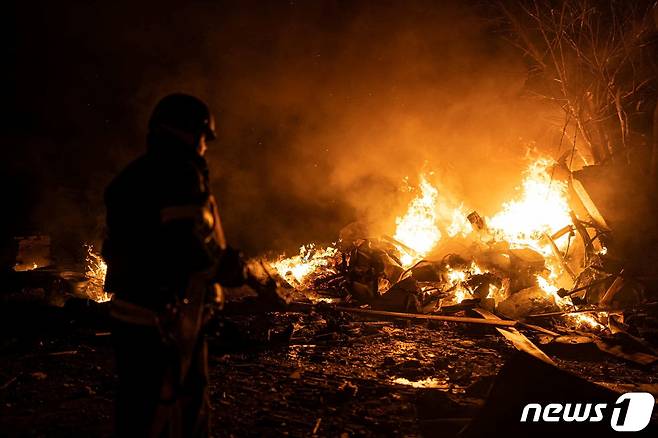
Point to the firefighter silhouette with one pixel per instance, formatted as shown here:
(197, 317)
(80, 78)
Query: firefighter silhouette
(167, 259)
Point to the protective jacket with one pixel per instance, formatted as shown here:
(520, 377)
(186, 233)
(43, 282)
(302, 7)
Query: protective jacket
(164, 249)
(163, 226)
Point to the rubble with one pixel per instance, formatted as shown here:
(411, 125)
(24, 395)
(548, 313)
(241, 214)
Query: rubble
(535, 261)
(525, 302)
(279, 372)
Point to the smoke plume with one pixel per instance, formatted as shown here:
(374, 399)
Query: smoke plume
(323, 108)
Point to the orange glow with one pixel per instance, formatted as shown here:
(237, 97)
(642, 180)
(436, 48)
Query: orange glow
(586, 320)
(458, 276)
(542, 208)
(295, 269)
(459, 224)
(95, 271)
(539, 210)
(417, 228)
(550, 289)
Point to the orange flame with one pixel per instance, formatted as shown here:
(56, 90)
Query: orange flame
(417, 228)
(541, 209)
(295, 269)
(95, 271)
(586, 320)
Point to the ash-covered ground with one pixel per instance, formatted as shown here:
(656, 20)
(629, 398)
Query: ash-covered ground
(297, 374)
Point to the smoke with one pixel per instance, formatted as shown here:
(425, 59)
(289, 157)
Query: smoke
(346, 101)
(323, 107)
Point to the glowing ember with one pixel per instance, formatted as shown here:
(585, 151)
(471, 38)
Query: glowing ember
(417, 229)
(295, 269)
(456, 280)
(578, 320)
(429, 382)
(95, 271)
(586, 320)
(541, 209)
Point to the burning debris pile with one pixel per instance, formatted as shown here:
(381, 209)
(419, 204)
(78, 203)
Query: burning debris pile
(534, 260)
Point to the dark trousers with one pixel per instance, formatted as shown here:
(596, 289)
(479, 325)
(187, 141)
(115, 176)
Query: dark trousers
(145, 366)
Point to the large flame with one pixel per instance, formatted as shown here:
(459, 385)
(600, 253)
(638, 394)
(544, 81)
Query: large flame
(459, 224)
(541, 209)
(417, 228)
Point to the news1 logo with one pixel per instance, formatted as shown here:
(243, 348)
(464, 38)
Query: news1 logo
(630, 413)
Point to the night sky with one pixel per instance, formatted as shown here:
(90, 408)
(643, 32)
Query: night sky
(322, 108)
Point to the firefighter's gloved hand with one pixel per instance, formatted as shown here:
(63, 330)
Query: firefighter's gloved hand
(262, 278)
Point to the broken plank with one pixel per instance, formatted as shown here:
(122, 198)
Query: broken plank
(518, 339)
(615, 287)
(626, 352)
(417, 316)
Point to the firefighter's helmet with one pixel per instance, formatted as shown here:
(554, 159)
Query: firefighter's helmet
(182, 112)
